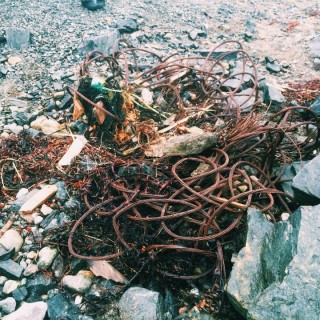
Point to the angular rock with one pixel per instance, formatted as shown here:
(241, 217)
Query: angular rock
(46, 257)
(103, 42)
(20, 294)
(30, 270)
(305, 184)
(48, 126)
(11, 269)
(28, 311)
(290, 172)
(22, 118)
(79, 283)
(17, 38)
(276, 274)
(40, 284)
(6, 254)
(127, 25)
(273, 67)
(12, 240)
(10, 286)
(315, 106)
(193, 142)
(93, 4)
(272, 95)
(8, 305)
(58, 305)
(58, 266)
(141, 304)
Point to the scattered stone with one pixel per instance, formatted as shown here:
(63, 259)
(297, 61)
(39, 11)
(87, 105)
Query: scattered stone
(141, 304)
(273, 67)
(58, 95)
(17, 38)
(14, 128)
(14, 60)
(48, 126)
(55, 220)
(28, 311)
(251, 26)
(315, 106)
(30, 270)
(62, 193)
(290, 172)
(45, 210)
(58, 266)
(11, 269)
(103, 42)
(22, 192)
(127, 25)
(93, 4)
(79, 283)
(40, 284)
(275, 275)
(10, 286)
(3, 279)
(46, 257)
(6, 254)
(58, 307)
(8, 305)
(193, 142)
(305, 183)
(20, 294)
(22, 118)
(101, 290)
(37, 220)
(272, 95)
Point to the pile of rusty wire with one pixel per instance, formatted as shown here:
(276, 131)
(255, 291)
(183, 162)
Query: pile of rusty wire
(172, 212)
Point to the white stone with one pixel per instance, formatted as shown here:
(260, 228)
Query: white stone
(12, 239)
(47, 126)
(29, 311)
(78, 300)
(30, 270)
(14, 60)
(37, 220)
(3, 279)
(45, 210)
(31, 255)
(46, 257)
(79, 283)
(285, 216)
(14, 128)
(22, 192)
(10, 286)
(23, 264)
(8, 305)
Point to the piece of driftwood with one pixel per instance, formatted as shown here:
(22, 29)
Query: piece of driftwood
(38, 199)
(75, 148)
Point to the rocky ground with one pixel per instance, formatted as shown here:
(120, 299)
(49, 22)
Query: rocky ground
(33, 82)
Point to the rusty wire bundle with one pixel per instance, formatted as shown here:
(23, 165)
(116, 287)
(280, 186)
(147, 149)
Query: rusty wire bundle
(176, 211)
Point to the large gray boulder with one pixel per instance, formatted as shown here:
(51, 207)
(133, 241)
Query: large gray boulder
(306, 184)
(276, 275)
(141, 304)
